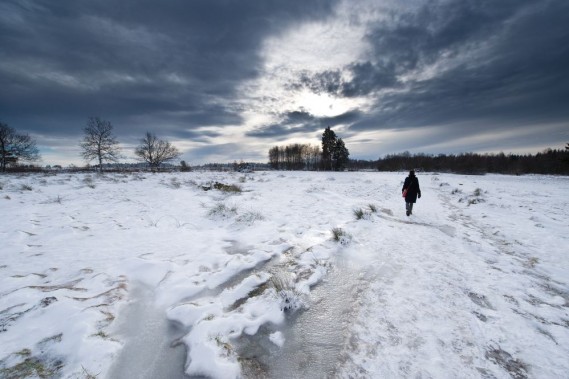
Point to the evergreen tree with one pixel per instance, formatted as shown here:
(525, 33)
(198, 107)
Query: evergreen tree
(184, 167)
(334, 152)
(340, 155)
(329, 141)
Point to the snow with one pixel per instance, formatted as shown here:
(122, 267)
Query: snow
(98, 271)
(277, 338)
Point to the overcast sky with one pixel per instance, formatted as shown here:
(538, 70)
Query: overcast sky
(226, 80)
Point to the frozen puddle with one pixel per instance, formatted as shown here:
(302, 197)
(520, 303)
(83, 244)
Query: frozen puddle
(149, 351)
(314, 338)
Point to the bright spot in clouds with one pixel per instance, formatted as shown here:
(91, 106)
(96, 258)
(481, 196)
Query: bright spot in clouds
(322, 105)
(307, 49)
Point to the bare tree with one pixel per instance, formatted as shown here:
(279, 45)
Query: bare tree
(155, 151)
(295, 157)
(15, 147)
(99, 142)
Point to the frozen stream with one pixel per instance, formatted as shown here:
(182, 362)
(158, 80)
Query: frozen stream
(148, 352)
(314, 338)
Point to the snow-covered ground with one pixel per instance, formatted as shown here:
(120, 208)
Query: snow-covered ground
(153, 275)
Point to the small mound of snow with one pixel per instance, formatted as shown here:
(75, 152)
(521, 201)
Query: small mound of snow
(277, 338)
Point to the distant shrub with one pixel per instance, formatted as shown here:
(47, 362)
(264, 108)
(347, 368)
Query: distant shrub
(531, 262)
(101, 334)
(290, 298)
(227, 187)
(230, 188)
(337, 233)
(223, 211)
(359, 213)
(476, 200)
(365, 214)
(282, 281)
(341, 236)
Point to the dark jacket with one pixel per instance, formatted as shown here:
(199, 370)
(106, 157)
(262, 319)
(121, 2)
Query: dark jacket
(413, 189)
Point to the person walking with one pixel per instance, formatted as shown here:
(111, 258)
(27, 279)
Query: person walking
(411, 191)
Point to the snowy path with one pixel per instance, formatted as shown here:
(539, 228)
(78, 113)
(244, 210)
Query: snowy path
(457, 296)
(96, 270)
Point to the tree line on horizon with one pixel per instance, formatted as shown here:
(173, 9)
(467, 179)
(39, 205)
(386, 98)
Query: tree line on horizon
(311, 158)
(101, 145)
(333, 156)
(550, 161)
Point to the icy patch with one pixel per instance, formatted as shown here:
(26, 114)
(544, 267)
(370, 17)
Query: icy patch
(150, 346)
(312, 339)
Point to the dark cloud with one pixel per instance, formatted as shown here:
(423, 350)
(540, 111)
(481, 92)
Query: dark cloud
(176, 67)
(501, 63)
(290, 123)
(197, 135)
(70, 59)
(366, 78)
(302, 122)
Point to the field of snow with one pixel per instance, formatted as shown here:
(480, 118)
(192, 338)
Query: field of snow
(283, 274)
